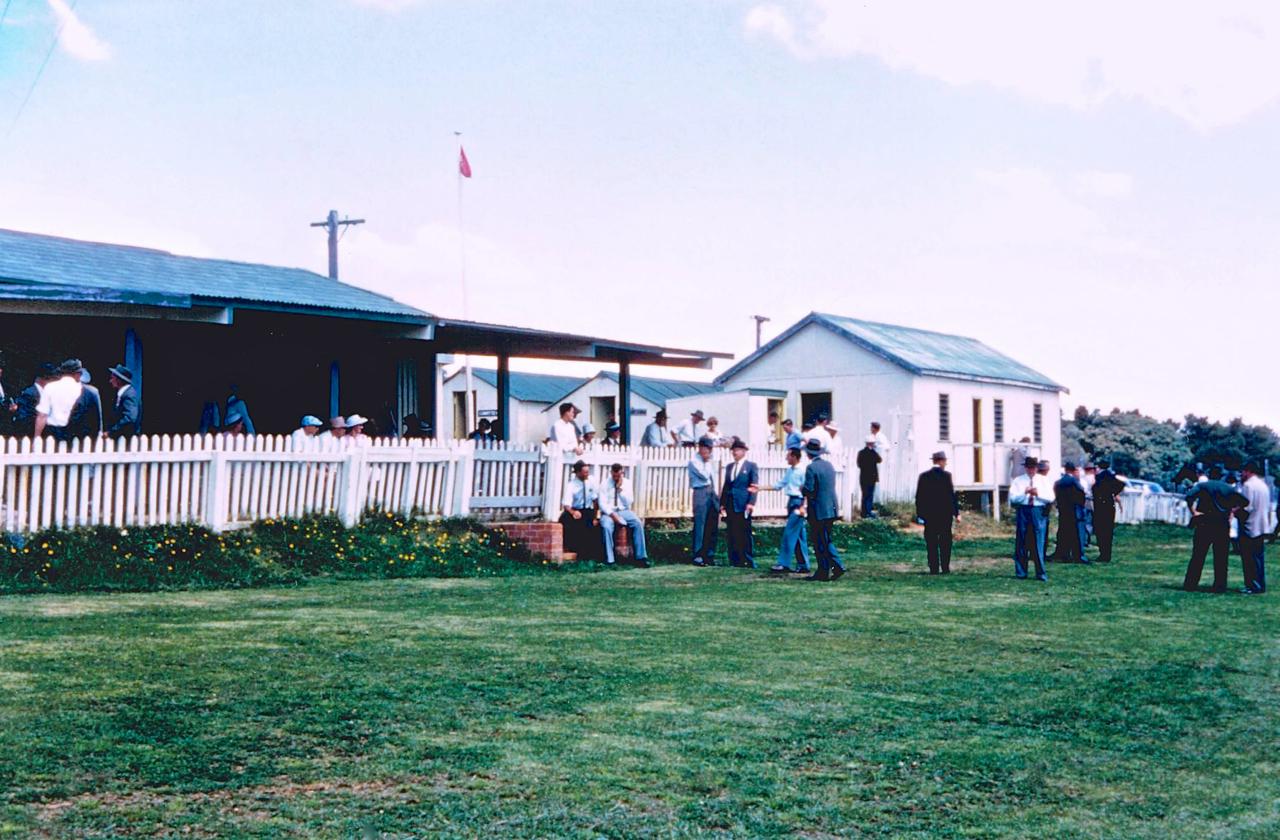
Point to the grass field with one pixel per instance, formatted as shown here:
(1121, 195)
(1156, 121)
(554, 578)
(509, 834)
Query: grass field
(664, 702)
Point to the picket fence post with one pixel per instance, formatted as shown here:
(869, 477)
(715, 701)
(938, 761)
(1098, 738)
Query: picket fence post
(409, 490)
(466, 479)
(639, 483)
(349, 487)
(216, 502)
(552, 484)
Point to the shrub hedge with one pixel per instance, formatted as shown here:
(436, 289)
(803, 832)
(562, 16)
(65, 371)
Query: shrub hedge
(271, 552)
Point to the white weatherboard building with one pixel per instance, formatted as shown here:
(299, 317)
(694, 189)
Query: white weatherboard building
(598, 399)
(930, 391)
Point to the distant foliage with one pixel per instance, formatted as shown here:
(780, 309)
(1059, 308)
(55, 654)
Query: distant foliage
(1234, 443)
(271, 552)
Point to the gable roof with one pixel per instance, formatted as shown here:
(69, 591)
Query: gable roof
(541, 388)
(36, 265)
(922, 352)
(656, 391)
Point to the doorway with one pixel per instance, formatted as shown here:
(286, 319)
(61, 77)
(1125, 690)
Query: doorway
(811, 405)
(602, 410)
(977, 439)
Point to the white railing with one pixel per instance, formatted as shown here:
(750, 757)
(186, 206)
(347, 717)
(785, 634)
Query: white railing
(1138, 507)
(229, 482)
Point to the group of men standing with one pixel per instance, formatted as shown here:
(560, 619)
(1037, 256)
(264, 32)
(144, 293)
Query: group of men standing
(61, 403)
(1213, 502)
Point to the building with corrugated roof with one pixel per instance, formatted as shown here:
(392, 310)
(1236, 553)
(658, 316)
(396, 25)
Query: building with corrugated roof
(930, 391)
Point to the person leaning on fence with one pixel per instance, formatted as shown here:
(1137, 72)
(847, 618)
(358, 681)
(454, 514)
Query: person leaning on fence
(738, 501)
(1030, 494)
(821, 501)
(1068, 497)
(1212, 504)
(1253, 530)
(336, 432)
(579, 516)
(564, 434)
(234, 427)
(306, 436)
(612, 434)
(795, 536)
(792, 439)
(483, 433)
(936, 508)
(356, 424)
(706, 504)
(692, 430)
(126, 414)
(616, 500)
(1107, 487)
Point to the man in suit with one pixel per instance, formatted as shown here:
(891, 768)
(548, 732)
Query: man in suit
(821, 499)
(738, 501)
(1030, 494)
(127, 414)
(1212, 504)
(1107, 488)
(937, 507)
(580, 515)
(24, 419)
(1068, 494)
(869, 475)
(616, 499)
(706, 504)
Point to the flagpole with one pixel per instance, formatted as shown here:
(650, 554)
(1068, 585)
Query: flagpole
(468, 400)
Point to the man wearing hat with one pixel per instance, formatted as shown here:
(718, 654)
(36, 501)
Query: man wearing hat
(1212, 504)
(1042, 469)
(937, 507)
(706, 504)
(233, 425)
(692, 430)
(355, 428)
(127, 410)
(868, 475)
(1030, 494)
(738, 501)
(305, 436)
(1107, 488)
(612, 433)
(822, 502)
(1068, 494)
(58, 400)
(656, 433)
(337, 430)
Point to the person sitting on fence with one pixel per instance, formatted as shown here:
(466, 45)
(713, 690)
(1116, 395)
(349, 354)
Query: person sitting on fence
(305, 436)
(795, 537)
(127, 411)
(483, 434)
(24, 419)
(616, 499)
(656, 433)
(564, 434)
(580, 517)
(612, 434)
(57, 400)
(692, 430)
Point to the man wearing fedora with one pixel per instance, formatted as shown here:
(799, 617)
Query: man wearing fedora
(1069, 496)
(821, 500)
(1030, 494)
(706, 504)
(692, 430)
(1107, 487)
(127, 410)
(937, 507)
(738, 501)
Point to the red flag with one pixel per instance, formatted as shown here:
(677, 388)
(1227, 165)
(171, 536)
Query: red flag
(464, 166)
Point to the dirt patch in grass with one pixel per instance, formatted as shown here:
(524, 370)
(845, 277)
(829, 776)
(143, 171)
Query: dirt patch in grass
(967, 564)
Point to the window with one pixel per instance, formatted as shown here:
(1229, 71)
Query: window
(1037, 423)
(997, 408)
(944, 417)
(811, 405)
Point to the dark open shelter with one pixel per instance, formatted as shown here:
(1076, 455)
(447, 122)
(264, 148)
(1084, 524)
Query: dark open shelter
(290, 341)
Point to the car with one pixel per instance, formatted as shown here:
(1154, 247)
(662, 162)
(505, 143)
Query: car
(1138, 485)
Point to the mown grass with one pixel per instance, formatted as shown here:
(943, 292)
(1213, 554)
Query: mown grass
(663, 702)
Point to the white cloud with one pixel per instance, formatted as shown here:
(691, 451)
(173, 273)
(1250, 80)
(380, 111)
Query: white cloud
(1210, 64)
(1104, 184)
(75, 38)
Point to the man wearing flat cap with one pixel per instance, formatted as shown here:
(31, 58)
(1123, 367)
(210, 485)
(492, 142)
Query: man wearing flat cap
(127, 410)
(1030, 494)
(738, 501)
(937, 507)
(1068, 493)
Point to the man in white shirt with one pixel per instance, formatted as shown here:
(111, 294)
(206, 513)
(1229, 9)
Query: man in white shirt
(53, 412)
(692, 430)
(820, 433)
(579, 514)
(882, 440)
(1031, 494)
(564, 434)
(304, 437)
(1254, 529)
(616, 499)
(706, 504)
(656, 433)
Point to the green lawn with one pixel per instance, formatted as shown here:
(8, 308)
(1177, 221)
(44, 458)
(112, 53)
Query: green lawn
(664, 702)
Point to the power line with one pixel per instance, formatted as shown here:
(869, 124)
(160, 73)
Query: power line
(39, 72)
(4, 13)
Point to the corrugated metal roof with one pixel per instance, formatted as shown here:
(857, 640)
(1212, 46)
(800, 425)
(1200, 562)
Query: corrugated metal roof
(920, 351)
(541, 388)
(658, 391)
(75, 264)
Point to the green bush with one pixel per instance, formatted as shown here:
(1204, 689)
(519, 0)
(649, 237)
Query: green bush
(271, 552)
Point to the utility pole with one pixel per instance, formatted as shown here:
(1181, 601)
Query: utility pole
(760, 319)
(333, 223)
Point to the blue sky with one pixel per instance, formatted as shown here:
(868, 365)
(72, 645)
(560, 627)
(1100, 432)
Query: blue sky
(1094, 194)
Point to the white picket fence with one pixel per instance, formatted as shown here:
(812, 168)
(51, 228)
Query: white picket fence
(229, 482)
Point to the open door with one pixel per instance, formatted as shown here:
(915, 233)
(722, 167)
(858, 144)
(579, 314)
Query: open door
(977, 439)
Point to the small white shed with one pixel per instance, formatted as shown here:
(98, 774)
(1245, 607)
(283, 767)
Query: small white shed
(598, 399)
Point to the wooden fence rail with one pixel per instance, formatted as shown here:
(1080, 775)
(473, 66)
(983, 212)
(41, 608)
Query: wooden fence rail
(230, 482)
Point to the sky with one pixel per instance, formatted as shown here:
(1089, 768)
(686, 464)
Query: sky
(1090, 188)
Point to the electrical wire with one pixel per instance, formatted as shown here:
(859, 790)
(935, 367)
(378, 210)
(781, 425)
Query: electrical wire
(39, 73)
